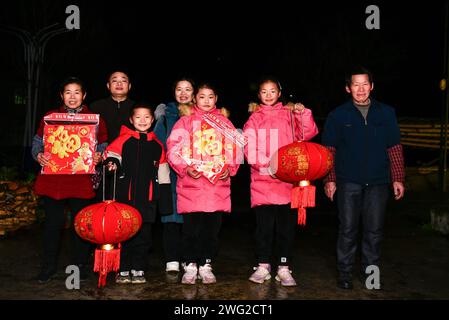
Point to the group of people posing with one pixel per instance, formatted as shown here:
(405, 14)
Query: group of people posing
(157, 156)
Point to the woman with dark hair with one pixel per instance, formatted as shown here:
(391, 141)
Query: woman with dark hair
(61, 190)
(166, 117)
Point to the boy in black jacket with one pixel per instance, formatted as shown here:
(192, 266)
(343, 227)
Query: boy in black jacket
(143, 182)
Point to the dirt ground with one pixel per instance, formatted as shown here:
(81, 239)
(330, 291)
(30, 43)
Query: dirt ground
(415, 262)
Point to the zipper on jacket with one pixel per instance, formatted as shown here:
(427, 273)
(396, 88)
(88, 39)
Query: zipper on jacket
(150, 192)
(129, 189)
(137, 164)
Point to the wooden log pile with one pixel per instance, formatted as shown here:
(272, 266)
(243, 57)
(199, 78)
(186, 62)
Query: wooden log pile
(18, 206)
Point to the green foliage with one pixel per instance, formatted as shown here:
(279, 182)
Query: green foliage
(8, 173)
(12, 174)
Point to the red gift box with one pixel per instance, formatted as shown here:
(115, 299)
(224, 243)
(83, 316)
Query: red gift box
(70, 141)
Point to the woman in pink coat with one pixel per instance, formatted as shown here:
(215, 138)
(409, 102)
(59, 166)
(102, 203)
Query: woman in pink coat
(271, 126)
(194, 145)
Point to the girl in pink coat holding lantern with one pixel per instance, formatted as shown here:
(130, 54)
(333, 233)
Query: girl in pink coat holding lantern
(271, 126)
(204, 160)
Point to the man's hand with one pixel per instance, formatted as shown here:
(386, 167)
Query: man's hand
(193, 173)
(398, 189)
(329, 190)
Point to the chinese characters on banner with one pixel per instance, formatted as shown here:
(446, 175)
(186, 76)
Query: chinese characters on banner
(70, 141)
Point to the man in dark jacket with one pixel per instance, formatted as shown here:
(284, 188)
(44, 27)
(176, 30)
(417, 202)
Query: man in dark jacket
(364, 137)
(114, 110)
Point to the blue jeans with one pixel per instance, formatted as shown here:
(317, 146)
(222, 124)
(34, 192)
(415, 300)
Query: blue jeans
(366, 203)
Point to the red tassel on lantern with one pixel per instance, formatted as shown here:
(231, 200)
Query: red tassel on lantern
(107, 223)
(107, 259)
(303, 196)
(299, 163)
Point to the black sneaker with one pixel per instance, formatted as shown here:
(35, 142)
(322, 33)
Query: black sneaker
(344, 281)
(46, 274)
(84, 272)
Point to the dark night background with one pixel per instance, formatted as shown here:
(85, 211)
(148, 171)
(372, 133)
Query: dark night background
(308, 46)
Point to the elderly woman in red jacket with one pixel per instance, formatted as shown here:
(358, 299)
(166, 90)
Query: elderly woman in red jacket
(59, 191)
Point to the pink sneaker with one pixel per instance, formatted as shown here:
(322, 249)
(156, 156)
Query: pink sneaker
(205, 273)
(261, 274)
(190, 274)
(284, 275)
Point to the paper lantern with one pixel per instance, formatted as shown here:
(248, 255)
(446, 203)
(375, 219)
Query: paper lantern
(300, 163)
(107, 224)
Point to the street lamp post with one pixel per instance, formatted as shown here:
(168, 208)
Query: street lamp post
(34, 51)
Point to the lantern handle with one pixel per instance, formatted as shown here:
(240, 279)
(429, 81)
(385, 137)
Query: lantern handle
(104, 183)
(293, 126)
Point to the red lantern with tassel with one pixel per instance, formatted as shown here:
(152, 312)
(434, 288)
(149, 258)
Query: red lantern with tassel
(107, 224)
(300, 163)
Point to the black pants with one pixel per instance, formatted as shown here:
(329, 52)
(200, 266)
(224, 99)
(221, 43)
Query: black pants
(200, 236)
(53, 226)
(172, 239)
(134, 252)
(366, 203)
(275, 221)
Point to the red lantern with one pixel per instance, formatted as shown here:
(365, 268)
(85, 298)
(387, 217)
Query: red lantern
(299, 163)
(107, 224)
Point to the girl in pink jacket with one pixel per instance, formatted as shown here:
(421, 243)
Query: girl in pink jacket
(204, 159)
(271, 126)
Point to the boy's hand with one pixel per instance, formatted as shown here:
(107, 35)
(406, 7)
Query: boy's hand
(111, 166)
(193, 173)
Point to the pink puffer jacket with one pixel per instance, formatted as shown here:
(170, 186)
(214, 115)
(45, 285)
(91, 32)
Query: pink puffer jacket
(199, 195)
(268, 129)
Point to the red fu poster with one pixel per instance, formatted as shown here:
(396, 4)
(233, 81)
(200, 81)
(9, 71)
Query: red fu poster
(70, 141)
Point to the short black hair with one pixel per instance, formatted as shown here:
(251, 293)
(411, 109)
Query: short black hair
(358, 70)
(141, 104)
(124, 71)
(70, 80)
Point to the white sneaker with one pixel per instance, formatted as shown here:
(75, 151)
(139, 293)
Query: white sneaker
(138, 276)
(205, 273)
(190, 274)
(123, 277)
(261, 274)
(172, 266)
(284, 276)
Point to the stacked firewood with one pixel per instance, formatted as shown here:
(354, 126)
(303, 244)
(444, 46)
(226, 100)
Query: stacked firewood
(18, 206)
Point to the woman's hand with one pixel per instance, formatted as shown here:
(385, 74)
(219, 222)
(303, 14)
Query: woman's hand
(298, 107)
(97, 158)
(43, 161)
(224, 175)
